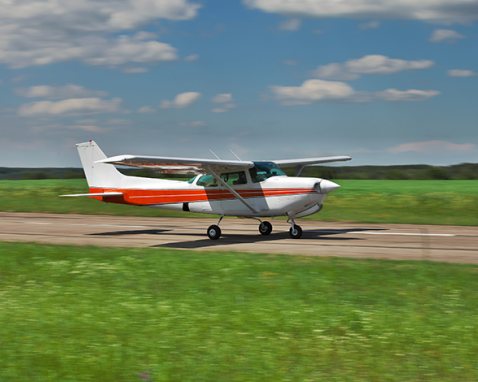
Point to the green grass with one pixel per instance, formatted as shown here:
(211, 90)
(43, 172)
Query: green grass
(372, 201)
(91, 314)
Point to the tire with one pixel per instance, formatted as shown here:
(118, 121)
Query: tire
(214, 232)
(295, 232)
(265, 228)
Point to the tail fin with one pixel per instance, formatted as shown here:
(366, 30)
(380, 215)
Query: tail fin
(100, 175)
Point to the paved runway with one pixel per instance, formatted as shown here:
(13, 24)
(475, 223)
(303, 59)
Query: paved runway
(385, 241)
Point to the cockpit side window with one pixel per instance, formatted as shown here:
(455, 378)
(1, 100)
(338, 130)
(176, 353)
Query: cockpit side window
(264, 170)
(231, 178)
(207, 180)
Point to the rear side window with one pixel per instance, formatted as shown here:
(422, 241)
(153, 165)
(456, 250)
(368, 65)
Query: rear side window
(234, 178)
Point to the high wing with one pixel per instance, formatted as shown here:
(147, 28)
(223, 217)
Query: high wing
(171, 164)
(299, 164)
(309, 161)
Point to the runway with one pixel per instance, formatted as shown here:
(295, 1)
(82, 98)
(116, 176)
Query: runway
(375, 241)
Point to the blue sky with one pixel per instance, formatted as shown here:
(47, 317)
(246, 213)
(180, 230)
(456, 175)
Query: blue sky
(385, 82)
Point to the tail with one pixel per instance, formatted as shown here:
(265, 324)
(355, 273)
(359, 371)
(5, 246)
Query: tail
(101, 175)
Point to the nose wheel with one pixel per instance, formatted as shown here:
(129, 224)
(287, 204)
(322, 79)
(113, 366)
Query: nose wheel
(265, 228)
(295, 230)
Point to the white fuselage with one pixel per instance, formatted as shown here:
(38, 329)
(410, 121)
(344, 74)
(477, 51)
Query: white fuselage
(275, 196)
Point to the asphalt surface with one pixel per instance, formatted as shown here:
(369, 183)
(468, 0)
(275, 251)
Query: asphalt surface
(384, 241)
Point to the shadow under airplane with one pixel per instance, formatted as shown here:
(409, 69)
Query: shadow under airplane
(318, 234)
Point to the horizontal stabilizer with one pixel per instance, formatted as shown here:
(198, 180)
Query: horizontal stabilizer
(93, 194)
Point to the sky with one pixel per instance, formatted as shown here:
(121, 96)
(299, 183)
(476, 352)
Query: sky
(386, 82)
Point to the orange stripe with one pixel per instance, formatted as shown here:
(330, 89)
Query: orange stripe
(149, 197)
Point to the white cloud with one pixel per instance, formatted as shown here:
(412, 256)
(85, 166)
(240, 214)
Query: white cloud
(70, 106)
(146, 110)
(191, 57)
(448, 11)
(40, 33)
(181, 100)
(89, 128)
(313, 91)
(461, 73)
(224, 102)
(430, 146)
(370, 64)
(290, 25)
(406, 95)
(193, 124)
(445, 35)
(369, 25)
(222, 98)
(135, 70)
(59, 92)
(290, 62)
(133, 49)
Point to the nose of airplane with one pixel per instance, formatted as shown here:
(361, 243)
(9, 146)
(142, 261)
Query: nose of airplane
(326, 186)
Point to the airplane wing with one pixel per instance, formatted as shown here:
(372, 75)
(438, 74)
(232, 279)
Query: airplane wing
(309, 161)
(171, 164)
(299, 164)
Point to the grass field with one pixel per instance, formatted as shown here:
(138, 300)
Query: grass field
(371, 201)
(91, 314)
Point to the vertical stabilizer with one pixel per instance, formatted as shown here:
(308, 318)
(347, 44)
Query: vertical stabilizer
(100, 175)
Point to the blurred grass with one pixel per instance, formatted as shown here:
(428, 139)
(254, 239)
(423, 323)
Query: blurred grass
(453, 202)
(100, 314)
(43, 196)
(370, 201)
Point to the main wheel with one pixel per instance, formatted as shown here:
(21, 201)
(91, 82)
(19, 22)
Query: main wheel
(214, 232)
(295, 232)
(265, 228)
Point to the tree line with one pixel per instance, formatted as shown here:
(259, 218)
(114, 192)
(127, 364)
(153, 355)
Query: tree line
(458, 172)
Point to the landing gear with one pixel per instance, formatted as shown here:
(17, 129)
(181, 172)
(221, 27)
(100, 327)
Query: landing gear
(295, 230)
(265, 228)
(214, 232)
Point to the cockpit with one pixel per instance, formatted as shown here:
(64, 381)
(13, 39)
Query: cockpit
(260, 172)
(264, 170)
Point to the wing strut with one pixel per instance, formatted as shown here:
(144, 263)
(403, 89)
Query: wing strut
(299, 169)
(234, 192)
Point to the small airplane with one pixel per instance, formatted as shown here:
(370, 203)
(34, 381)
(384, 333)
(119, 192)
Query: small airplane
(258, 189)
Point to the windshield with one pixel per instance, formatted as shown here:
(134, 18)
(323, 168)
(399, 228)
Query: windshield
(264, 170)
(190, 181)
